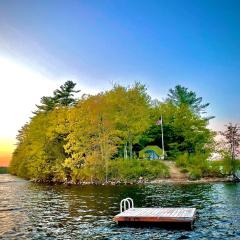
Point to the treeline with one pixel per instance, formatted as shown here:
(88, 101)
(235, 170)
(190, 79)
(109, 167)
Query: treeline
(98, 137)
(3, 170)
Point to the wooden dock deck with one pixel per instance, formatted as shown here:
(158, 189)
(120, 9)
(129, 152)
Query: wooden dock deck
(161, 216)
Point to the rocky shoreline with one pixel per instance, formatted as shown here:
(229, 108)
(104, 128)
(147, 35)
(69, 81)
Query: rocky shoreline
(139, 181)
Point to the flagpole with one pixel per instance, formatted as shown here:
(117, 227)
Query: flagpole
(162, 136)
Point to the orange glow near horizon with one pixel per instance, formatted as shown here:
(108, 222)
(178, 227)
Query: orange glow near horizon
(5, 160)
(22, 87)
(6, 148)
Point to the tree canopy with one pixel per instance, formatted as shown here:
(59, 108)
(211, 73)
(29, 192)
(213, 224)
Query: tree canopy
(180, 95)
(61, 97)
(82, 139)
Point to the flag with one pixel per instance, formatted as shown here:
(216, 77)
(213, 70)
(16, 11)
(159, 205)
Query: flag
(159, 121)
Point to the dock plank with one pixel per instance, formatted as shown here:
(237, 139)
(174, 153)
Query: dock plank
(157, 215)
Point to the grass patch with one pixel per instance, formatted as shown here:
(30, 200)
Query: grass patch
(197, 166)
(122, 170)
(222, 166)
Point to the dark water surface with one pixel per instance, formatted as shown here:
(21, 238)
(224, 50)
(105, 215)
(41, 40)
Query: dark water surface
(34, 211)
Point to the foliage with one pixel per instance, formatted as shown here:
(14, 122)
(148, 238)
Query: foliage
(181, 96)
(61, 97)
(65, 95)
(92, 139)
(182, 160)
(183, 130)
(195, 174)
(129, 170)
(220, 168)
(130, 111)
(40, 150)
(197, 165)
(3, 170)
(85, 139)
(230, 166)
(232, 136)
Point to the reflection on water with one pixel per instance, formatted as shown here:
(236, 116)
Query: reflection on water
(34, 211)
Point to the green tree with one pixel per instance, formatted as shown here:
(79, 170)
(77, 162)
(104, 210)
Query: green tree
(47, 104)
(183, 130)
(61, 97)
(65, 95)
(182, 96)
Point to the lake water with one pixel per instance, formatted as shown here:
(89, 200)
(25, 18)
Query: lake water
(35, 211)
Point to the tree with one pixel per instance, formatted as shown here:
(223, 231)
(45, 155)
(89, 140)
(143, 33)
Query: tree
(181, 96)
(47, 104)
(183, 130)
(130, 111)
(61, 97)
(65, 95)
(92, 140)
(232, 135)
(40, 153)
(76, 140)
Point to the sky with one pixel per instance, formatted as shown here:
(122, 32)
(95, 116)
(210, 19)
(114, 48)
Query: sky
(195, 43)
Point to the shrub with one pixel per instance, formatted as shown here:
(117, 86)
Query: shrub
(122, 170)
(182, 160)
(199, 166)
(195, 174)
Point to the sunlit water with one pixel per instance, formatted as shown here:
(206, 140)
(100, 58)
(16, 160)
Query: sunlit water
(34, 211)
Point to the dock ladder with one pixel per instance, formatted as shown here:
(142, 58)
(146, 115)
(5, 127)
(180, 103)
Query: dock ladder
(125, 204)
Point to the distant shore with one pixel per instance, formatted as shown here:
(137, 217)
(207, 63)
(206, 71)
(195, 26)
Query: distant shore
(3, 170)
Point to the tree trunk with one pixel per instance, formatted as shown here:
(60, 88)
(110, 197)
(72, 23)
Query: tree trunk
(106, 161)
(130, 146)
(125, 151)
(130, 149)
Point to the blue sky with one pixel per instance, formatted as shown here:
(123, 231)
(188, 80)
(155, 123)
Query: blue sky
(95, 43)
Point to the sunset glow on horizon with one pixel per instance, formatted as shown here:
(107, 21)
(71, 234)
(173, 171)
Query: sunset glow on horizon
(6, 148)
(21, 90)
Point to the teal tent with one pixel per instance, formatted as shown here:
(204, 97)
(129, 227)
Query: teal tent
(151, 153)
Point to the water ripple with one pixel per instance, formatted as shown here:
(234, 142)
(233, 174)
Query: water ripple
(34, 211)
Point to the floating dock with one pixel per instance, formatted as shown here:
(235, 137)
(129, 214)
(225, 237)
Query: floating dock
(168, 217)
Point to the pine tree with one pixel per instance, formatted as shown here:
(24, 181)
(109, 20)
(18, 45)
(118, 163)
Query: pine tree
(65, 95)
(182, 96)
(61, 97)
